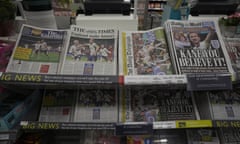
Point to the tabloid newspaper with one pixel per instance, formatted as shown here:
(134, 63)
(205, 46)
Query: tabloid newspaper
(90, 51)
(144, 53)
(233, 48)
(97, 105)
(197, 47)
(150, 105)
(37, 50)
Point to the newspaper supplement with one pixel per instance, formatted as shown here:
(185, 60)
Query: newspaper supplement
(37, 50)
(145, 53)
(198, 47)
(90, 52)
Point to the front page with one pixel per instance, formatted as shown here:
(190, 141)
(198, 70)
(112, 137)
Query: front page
(198, 47)
(233, 49)
(37, 50)
(143, 104)
(145, 53)
(91, 52)
(97, 105)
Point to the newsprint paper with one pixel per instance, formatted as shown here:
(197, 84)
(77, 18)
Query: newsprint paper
(90, 51)
(198, 47)
(37, 50)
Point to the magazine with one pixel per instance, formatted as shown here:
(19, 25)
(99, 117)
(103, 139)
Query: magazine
(150, 104)
(197, 47)
(139, 139)
(98, 136)
(144, 53)
(6, 48)
(97, 105)
(62, 8)
(141, 11)
(37, 50)
(90, 52)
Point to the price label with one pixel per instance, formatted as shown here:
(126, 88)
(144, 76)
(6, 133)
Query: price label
(196, 82)
(193, 123)
(164, 125)
(24, 123)
(4, 136)
(155, 79)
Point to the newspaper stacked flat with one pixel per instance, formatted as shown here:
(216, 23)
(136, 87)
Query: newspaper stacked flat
(97, 105)
(144, 53)
(90, 52)
(37, 50)
(57, 105)
(197, 47)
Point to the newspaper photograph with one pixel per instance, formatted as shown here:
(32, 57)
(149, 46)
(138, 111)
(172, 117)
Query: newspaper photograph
(198, 47)
(97, 105)
(91, 52)
(150, 105)
(37, 50)
(145, 53)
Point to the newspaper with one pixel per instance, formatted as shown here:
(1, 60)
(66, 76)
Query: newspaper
(144, 53)
(90, 51)
(218, 105)
(143, 104)
(37, 50)
(197, 47)
(57, 105)
(233, 48)
(97, 105)
(202, 136)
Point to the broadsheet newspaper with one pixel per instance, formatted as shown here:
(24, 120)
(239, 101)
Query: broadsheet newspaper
(198, 47)
(144, 53)
(37, 50)
(57, 105)
(225, 105)
(97, 105)
(91, 52)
